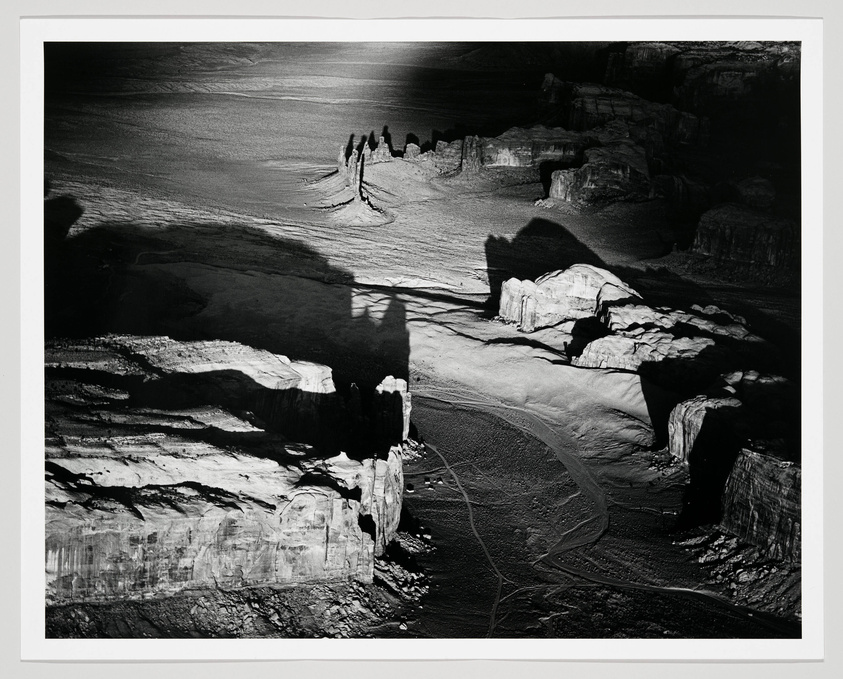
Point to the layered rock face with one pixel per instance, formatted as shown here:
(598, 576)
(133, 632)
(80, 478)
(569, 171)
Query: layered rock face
(577, 292)
(528, 147)
(762, 503)
(171, 465)
(586, 106)
(740, 439)
(681, 350)
(613, 172)
(733, 233)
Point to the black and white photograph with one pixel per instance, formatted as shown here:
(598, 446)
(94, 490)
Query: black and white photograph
(380, 339)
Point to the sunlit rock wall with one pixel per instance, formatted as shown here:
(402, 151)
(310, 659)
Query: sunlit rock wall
(156, 482)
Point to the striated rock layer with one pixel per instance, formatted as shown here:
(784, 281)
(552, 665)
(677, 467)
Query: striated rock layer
(157, 483)
(740, 440)
(762, 503)
(576, 292)
(739, 234)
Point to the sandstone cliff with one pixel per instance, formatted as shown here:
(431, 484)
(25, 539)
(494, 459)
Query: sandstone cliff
(740, 440)
(173, 465)
(762, 503)
(743, 236)
(577, 292)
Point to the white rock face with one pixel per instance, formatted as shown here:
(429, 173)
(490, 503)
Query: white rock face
(636, 347)
(686, 421)
(393, 407)
(576, 292)
(149, 499)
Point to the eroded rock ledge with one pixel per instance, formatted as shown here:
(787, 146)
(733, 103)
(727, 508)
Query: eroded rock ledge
(737, 431)
(178, 465)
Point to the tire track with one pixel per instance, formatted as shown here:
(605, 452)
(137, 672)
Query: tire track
(477, 535)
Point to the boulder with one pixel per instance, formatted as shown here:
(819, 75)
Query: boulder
(576, 292)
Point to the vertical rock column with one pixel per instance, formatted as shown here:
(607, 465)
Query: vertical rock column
(470, 161)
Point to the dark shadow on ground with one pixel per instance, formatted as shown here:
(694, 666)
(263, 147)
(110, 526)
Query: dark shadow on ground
(540, 247)
(283, 297)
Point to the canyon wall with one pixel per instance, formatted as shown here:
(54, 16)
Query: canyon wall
(171, 465)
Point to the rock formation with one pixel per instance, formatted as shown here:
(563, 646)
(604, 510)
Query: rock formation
(172, 465)
(740, 439)
(615, 172)
(587, 106)
(577, 292)
(680, 350)
(762, 503)
(741, 234)
(381, 153)
(528, 147)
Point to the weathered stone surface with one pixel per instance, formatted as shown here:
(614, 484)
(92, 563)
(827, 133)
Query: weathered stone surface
(684, 357)
(617, 171)
(392, 409)
(687, 418)
(471, 154)
(681, 350)
(156, 482)
(576, 292)
(762, 503)
(529, 147)
(737, 233)
(447, 157)
(734, 77)
(710, 320)
(588, 105)
(381, 153)
(740, 439)
(411, 151)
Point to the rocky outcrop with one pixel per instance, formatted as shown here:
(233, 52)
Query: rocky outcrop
(677, 349)
(614, 172)
(381, 153)
(173, 465)
(392, 409)
(681, 350)
(741, 442)
(687, 418)
(587, 106)
(577, 292)
(640, 67)
(738, 78)
(762, 503)
(735, 78)
(739, 234)
(529, 147)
